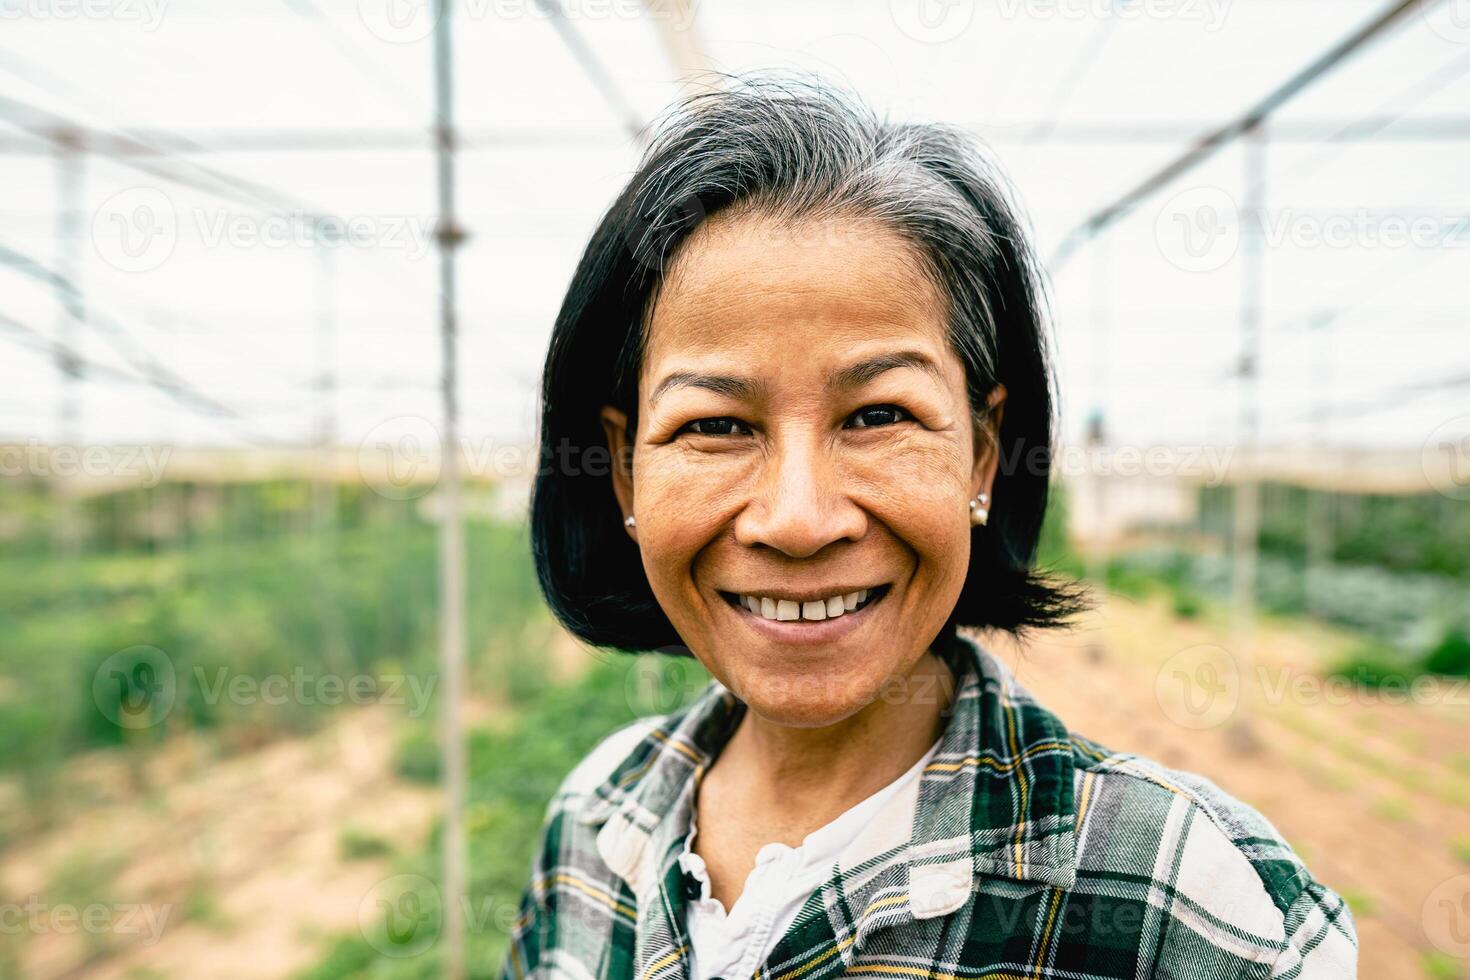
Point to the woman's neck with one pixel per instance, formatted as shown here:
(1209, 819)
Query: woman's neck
(817, 773)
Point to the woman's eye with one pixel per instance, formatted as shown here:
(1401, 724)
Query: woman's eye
(876, 415)
(723, 426)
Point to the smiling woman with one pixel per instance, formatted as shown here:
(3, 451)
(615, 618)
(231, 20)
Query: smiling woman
(807, 437)
(812, 343)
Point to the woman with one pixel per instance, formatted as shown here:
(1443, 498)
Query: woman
(812, 346)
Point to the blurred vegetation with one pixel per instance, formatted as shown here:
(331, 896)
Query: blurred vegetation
(513, 774)
(1394, 568)
(1423, 533)
(232, 584)
(262, 578)
(356, 844)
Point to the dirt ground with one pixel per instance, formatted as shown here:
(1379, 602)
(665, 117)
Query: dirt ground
(233, 868)
(242, 856)
(1375, 796)
(231, 865)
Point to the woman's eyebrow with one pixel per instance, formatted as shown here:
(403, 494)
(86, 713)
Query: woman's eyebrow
(864, 371)
(844, 379)
(720, 384)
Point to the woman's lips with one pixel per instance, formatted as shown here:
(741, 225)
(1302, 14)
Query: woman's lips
(805, 632)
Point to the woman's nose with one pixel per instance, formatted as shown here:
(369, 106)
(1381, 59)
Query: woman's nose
(800, 504)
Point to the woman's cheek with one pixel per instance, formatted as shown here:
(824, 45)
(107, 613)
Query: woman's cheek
(914, 481)
(680, 505)
(692, 485)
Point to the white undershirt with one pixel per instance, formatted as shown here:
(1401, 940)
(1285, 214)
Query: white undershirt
(733, 945)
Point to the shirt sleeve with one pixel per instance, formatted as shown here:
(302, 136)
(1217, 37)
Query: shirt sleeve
(1321, 938)
(536, 934)
(524, 953)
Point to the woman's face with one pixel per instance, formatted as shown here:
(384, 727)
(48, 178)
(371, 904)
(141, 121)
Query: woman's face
(804, 434)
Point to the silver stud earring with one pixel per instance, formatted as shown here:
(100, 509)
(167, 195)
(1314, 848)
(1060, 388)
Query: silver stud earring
(630, 521)
(979, 512)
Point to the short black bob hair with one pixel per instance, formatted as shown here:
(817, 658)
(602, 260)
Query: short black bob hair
(793, 147)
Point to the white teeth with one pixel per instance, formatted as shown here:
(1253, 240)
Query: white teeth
(814, 610)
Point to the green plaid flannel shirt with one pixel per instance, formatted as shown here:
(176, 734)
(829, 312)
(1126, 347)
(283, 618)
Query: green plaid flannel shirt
(1029, 852)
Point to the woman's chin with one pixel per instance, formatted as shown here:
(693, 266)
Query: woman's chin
(810, 700)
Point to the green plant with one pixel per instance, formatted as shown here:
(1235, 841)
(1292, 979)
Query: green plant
(1441, 966)
(355, 844)
(201, 904)
(1361, 902)
(1451, 656)
(1397, 810)
(1375, 665)
(1186, 604)
(416, 756)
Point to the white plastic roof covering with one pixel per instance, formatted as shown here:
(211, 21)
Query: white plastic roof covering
(1080, 99)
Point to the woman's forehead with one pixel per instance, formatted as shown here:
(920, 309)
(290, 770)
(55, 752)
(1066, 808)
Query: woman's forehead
(837, 280)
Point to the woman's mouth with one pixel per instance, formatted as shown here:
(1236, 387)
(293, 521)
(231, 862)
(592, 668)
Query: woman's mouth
(810, 611)
(801, 622)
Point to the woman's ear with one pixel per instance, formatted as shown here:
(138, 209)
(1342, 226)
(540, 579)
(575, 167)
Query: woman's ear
(987, 442)
(615, 429)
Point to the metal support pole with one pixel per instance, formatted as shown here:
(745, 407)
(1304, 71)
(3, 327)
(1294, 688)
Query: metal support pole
(72, 314)
(324, 476)
(451, 527)
(1246, 525)
(1096, 436)
(1319, 528)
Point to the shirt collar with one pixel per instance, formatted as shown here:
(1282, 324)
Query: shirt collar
(996, 799)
